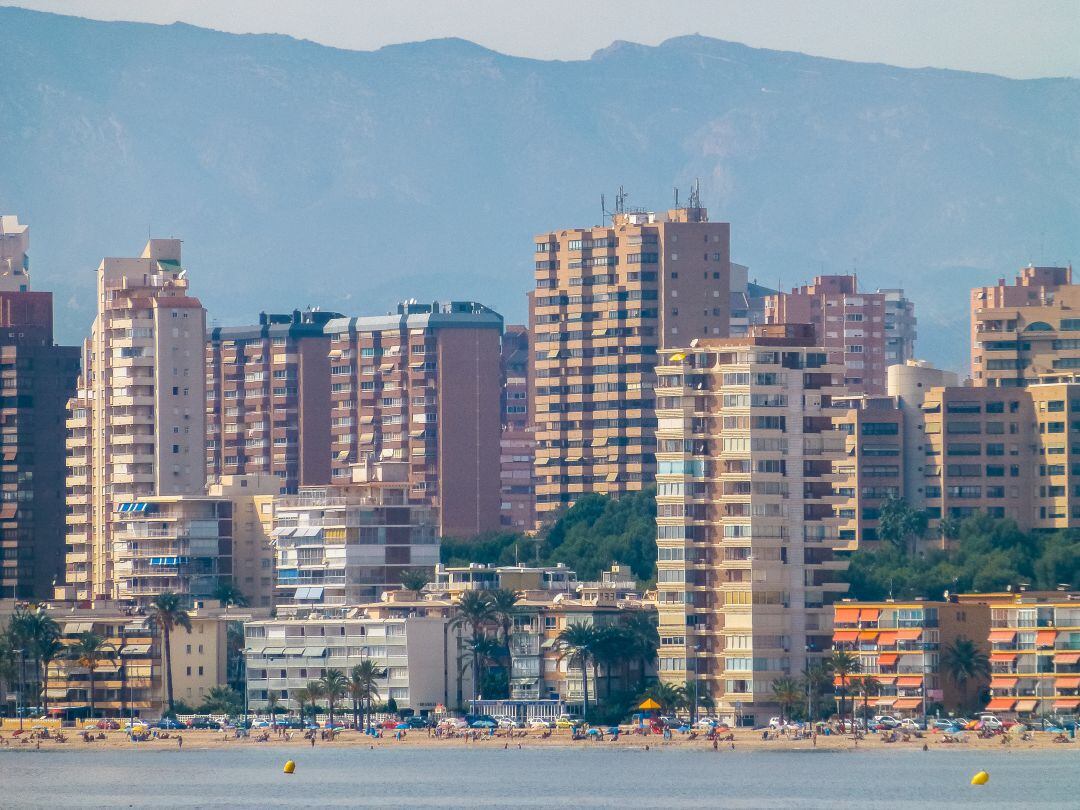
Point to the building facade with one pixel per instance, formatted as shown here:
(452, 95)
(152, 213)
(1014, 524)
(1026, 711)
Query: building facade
(347, 545)
(517, 510)
(136, 426)
(899, 644)
(192, 545)
(422, 387)
(606, 300)
(268, 399)
(746, 572)
(38, 378)
(1034, 655)
(866, 332)
(1026, 332)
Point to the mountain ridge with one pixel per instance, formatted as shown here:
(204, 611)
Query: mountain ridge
(304, 174)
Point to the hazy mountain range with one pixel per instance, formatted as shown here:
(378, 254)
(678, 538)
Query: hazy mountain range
(299, 174)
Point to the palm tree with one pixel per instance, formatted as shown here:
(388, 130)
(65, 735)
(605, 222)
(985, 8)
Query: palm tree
(34, 631)
(868, 686)
(335, 686)
(315, 691)
(503, 603)
(644, 639)
(415, 579)
(815, 681)
(222, 700)
(229, 595)
(964, 661)
(88, 651)
(475, 612)
(363, 688)
(303, 697)
(613, 648)
(271, 706)
(167, 612)
(843, 665)
(48, 649)
(578, 642)
(787, 692)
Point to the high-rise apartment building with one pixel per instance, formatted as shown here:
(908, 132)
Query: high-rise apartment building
(1026, 332)
(423, 387)
(746, 572)
(865, 331)
(136, 426)
(38, 377)
(268, 399)
(517, 446)
(607, 299)
(348, 544)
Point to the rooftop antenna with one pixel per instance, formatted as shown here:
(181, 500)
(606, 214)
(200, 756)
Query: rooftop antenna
(676, 196)
(620, 201)
(695, 194)
(603, 210)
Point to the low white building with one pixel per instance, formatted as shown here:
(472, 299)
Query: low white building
(411, 641)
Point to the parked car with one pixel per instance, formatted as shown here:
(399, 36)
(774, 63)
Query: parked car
(566, 721)
(910, 724)
(991, 722)
(538, 724)
(294, 723)
(416, 722)
(454, 723)
(204, 723)
(260, 724)
(886, 721)
(509, 722)
(169, 723)
(108, 725)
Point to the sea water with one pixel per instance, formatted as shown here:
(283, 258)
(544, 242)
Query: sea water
(589, 776)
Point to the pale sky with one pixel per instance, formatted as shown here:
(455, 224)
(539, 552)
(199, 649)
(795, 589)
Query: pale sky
(1018, 38)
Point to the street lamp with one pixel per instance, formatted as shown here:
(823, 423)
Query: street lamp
(19, 689)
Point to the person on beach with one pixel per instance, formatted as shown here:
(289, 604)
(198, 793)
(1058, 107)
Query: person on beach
(179, 741)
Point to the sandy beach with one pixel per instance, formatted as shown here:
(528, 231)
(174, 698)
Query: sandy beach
(744, 740)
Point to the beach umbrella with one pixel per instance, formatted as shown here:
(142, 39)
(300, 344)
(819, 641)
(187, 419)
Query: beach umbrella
(649, 705)
(401, 725)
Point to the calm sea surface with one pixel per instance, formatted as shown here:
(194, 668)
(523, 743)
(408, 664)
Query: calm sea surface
(586, 777)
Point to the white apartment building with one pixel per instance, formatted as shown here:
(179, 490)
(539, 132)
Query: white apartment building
(136, 427)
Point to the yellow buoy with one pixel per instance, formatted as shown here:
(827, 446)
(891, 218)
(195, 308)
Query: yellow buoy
(981, 778)
(290, 766)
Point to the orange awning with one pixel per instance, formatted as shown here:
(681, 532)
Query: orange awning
(1045, 638)
(1068, 682)
(887, 639)
(908, 634)
(1067, 658)
(846, 616)
(907, 704)
(1002, 635)
(844, 636)
(868, 635)
(1002, 656)
(869, 614)
(1026, 705)
(1003, 681)
(885, 679)
(909, 680)
(886, 701)
(1067, 703)
(1001, 705)
(887, 658)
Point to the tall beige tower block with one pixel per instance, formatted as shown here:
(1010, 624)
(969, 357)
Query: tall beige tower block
(136, 426)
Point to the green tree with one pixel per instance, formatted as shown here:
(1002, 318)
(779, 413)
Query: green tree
(167, 613)
(222, 700)
(843, 665)
(334, 686)
(577, 642)
(787, 692)
(867, 686)
(670, 697)
(504, 607)
(48, 649)
(414, 579)
(816, 682)
(88, 651)
(303, 698)
(272, 701)
(474, 611)
(315, 693)
(963, 662)
(901, 525)
(363, 689)
(643, 639)
(229, 595)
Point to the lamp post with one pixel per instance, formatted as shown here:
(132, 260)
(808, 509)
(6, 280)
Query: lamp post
(19, 689)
